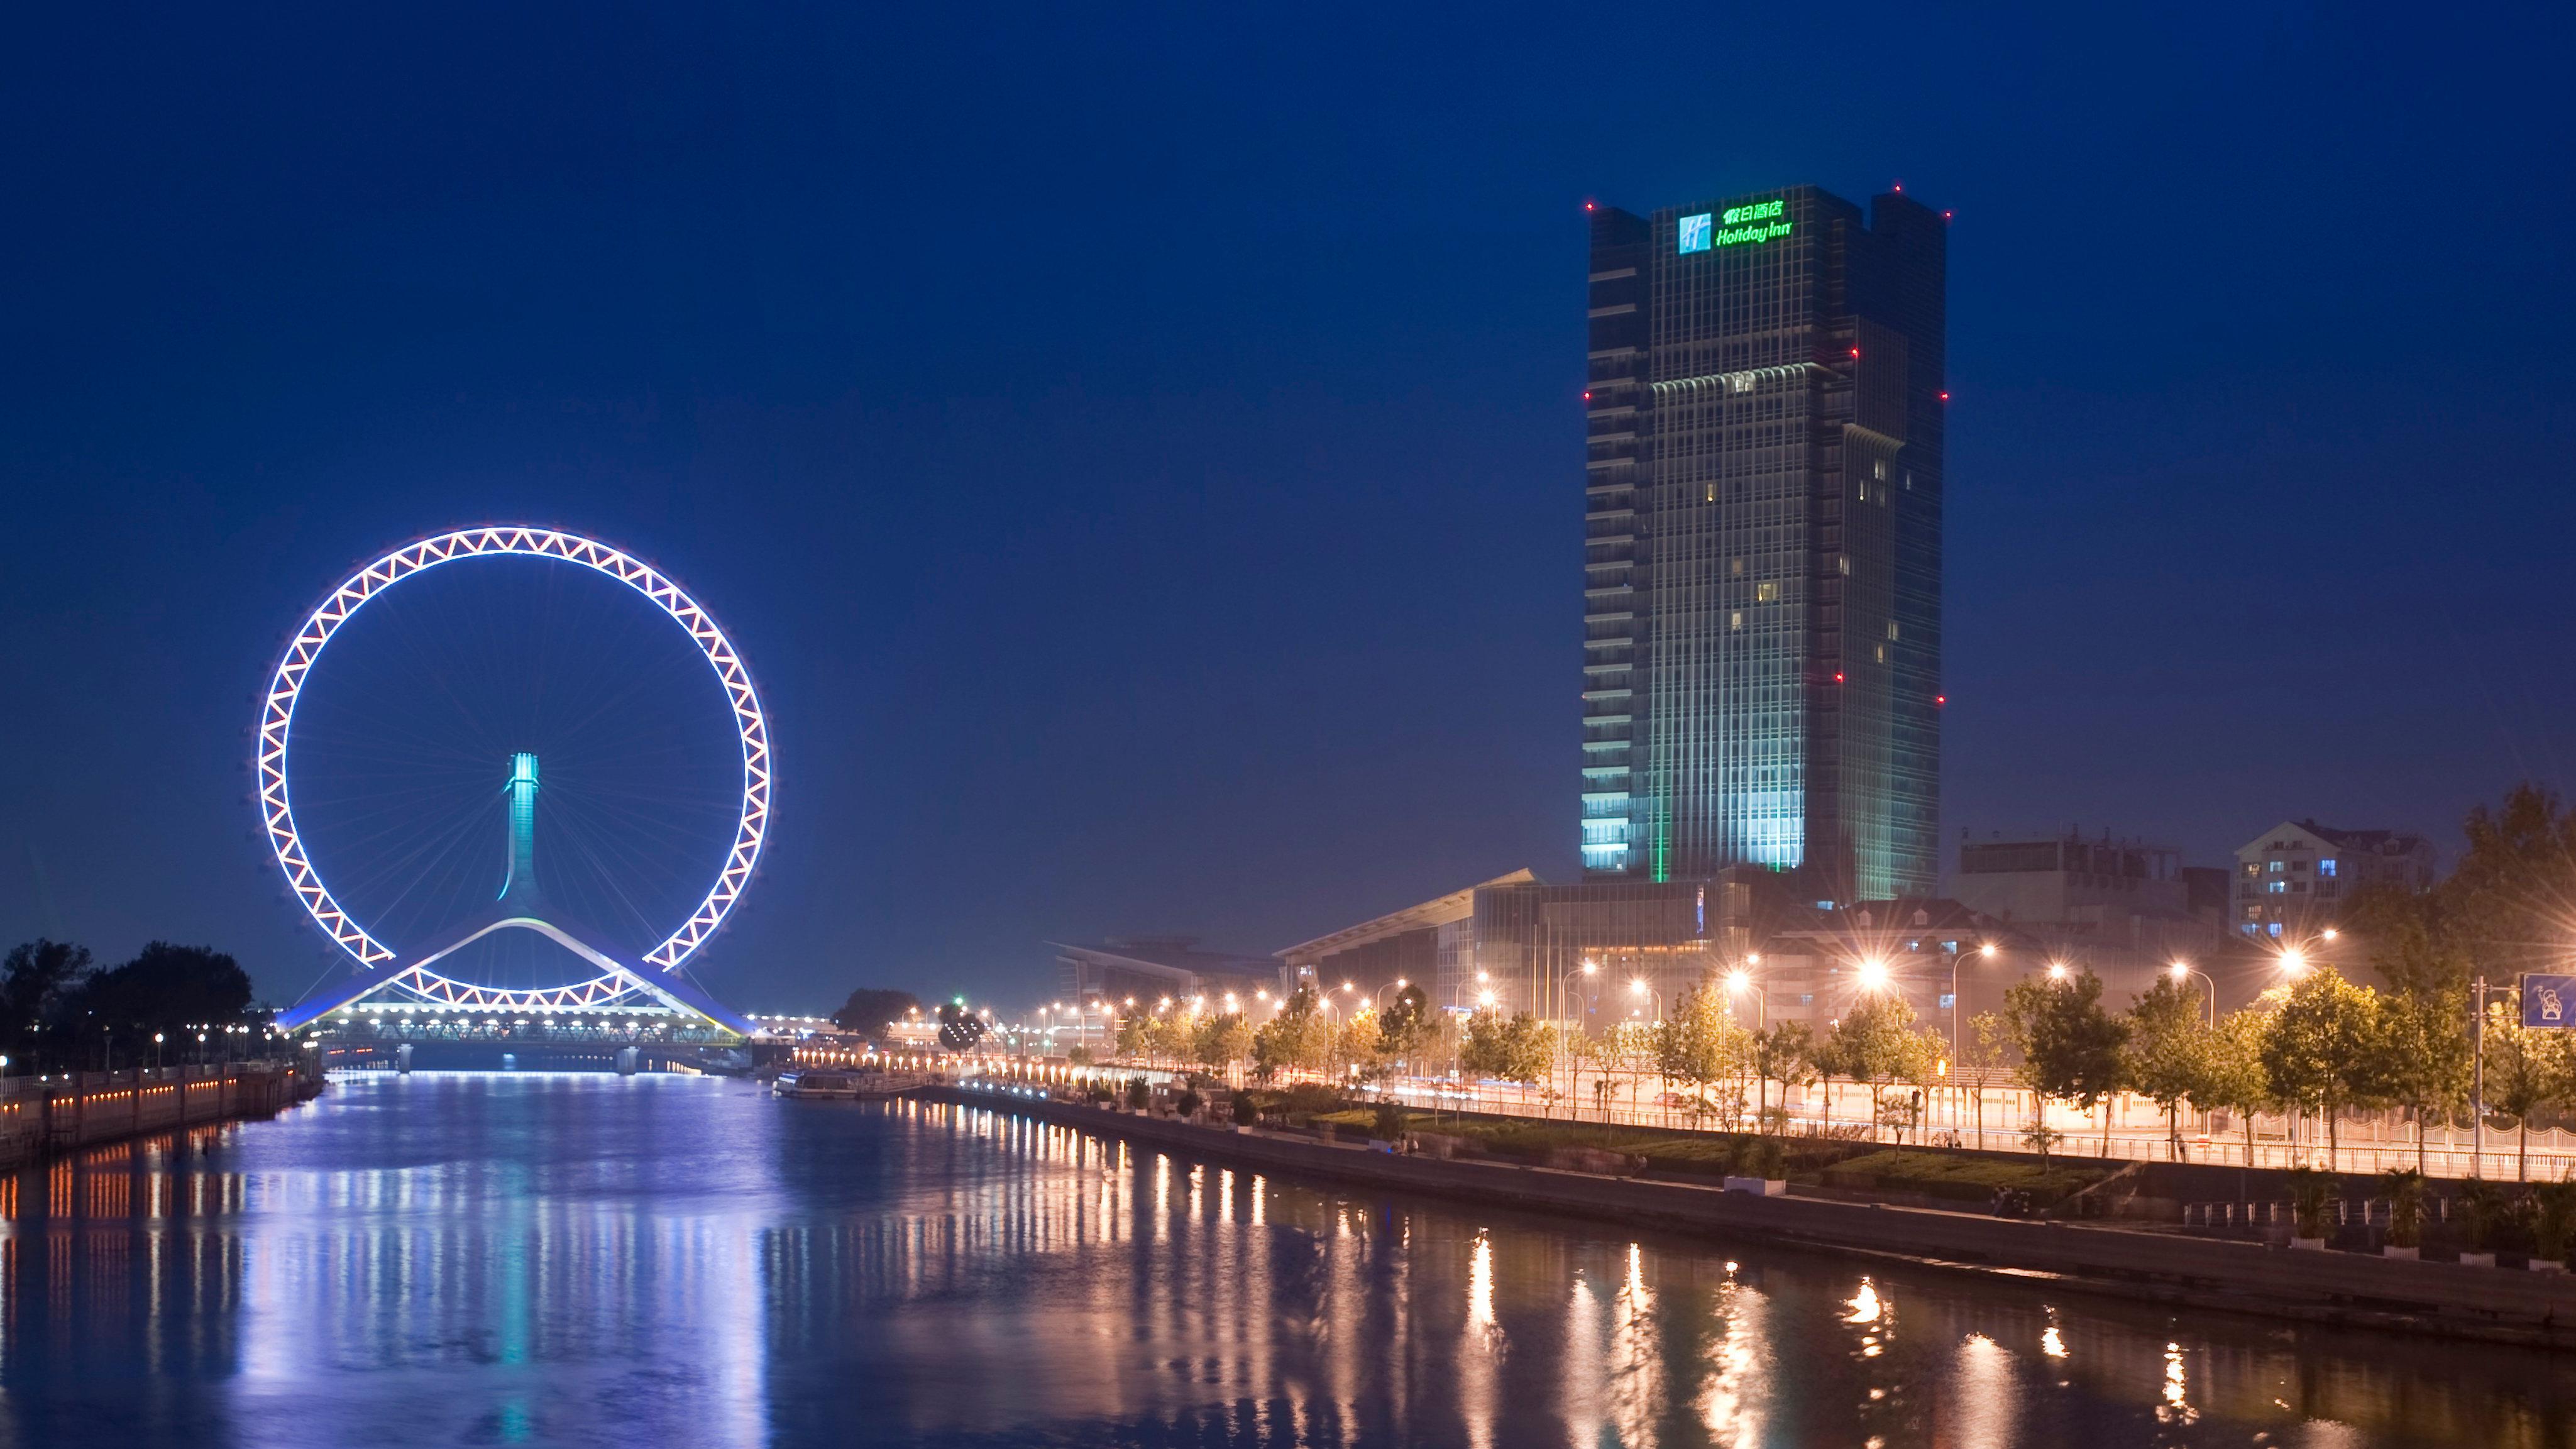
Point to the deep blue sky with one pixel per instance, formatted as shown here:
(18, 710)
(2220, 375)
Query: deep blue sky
(1139, 451)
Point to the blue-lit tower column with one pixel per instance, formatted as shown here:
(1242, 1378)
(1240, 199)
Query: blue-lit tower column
(521, 883)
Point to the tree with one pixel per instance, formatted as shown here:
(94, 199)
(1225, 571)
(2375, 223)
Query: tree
(2071, 1049)
(1530, 1050)
(1701, 1042)
(1629, 1047)
(1219, 1040)
(1356, 1048)
(2523, 1073)
(1985, 1055)
(1483, 1051)
(1404, 1028)
(2423, 1060)
(1876, 1044)
(165, 989)
(2318, 1049)
(1785, 1054)
(2504, 906)
(1580, 1048)
(2233, 1077)
(1135, 1035)
(2169, 1049)
(1300, 1037)
(1518, 1048)
(870, 1009)
(37, 985)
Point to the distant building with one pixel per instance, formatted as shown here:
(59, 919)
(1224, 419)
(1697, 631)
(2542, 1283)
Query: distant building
(2109, 895)
(1432, 944)
(1146, 969)
(2294, 878)
(1762, 542)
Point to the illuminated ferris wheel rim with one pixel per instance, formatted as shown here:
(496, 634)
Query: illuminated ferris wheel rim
(277, 718)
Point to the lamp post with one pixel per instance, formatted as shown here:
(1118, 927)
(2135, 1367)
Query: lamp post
(1739, 981)
(1588, 968)
(1987, 952)
(1639, 987)
(2182, 972)
(2478, 990)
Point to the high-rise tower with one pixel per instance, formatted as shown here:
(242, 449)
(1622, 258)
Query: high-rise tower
(1762, 541)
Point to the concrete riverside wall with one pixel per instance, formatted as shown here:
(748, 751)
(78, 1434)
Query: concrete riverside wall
(39, 1119)
(2347, 1288)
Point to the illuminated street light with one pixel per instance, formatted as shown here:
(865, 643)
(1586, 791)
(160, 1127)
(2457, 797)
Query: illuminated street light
(2056, 970)
(1987, 950)
(2294, 960)
(1873, 975)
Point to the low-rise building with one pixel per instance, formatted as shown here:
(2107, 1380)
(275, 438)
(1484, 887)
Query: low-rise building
(2100, 895)
(1432, 944)
(1140, 970)
(2292, 880)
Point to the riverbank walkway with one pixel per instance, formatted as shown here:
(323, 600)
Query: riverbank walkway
(2344, 1289)
(43, 1117)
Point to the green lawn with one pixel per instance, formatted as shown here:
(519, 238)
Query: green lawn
(1808, 1159)
(1942, 1174)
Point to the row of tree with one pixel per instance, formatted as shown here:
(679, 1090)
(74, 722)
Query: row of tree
(2320, 1045)
(60, 1010)
(2442, 1041)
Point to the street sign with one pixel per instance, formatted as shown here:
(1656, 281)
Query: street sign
(2548, 1001)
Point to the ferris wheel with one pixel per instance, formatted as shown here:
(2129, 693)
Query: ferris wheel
(405, 725)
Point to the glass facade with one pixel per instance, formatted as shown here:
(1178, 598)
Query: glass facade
(1762, 542)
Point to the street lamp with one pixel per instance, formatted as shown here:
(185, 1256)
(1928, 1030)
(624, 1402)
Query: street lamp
(2183, 972)
(1987, 951)
(2294, 960)
(2056, 970)
(1588, 968)
(1640, 988)
(1873, 975)
(1740, 980)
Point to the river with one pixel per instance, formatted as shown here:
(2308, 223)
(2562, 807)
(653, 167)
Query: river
(673, 1261)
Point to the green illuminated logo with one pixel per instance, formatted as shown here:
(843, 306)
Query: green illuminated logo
(1759, 221)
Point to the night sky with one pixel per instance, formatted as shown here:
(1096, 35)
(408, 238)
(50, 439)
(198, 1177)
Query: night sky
(1139, 450)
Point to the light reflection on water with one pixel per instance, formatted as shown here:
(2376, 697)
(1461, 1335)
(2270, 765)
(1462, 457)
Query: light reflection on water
(648, 1261)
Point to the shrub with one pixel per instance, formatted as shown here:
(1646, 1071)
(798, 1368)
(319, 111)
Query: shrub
(2405, 1207)
(2482, 1204)
(2554, 1224)
(1388, 1122)
(1138, 1094)
(1769, 1158)
(2310, 1190)
(1312, 1097)
(1187, 1102)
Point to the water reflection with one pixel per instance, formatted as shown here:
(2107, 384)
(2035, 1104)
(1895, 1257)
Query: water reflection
(656, 1260)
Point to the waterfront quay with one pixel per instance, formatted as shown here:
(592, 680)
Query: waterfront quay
(43, 1117)
(2533, 1309)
